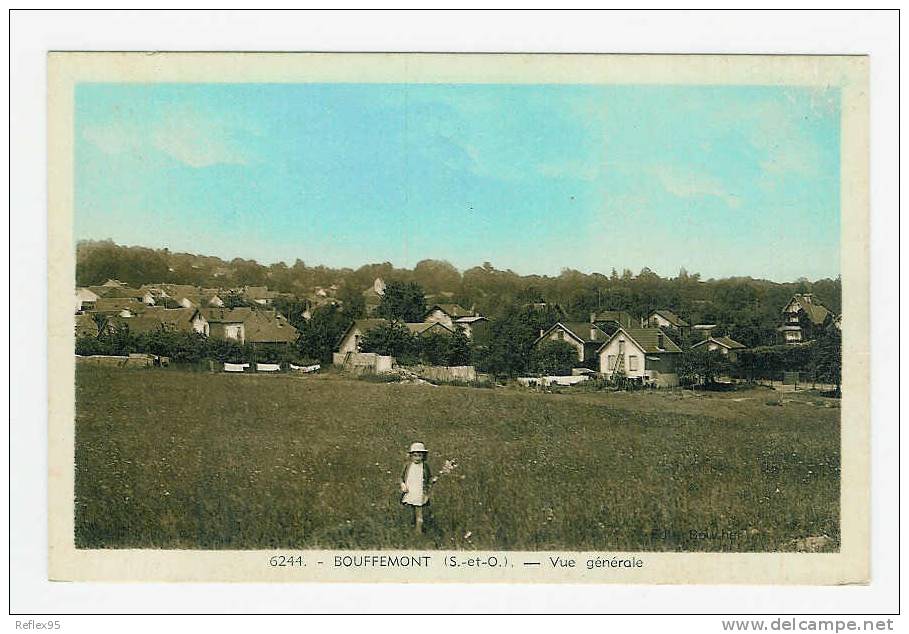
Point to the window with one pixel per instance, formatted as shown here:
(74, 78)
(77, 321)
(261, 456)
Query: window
(610, 362)
(633, 362)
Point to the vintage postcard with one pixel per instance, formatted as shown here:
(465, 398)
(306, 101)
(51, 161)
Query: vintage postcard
(486, 318)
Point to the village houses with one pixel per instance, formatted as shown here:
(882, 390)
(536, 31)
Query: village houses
(453, 316)
(663, 318)
(583, 336)
(647, 354)
(803, 317)
(727, 346)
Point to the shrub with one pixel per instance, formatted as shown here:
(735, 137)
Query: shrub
(553, 357)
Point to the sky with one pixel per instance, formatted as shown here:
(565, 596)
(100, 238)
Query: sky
(720, 180)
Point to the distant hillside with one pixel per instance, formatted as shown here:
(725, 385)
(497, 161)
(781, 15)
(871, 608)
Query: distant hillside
(750, 308)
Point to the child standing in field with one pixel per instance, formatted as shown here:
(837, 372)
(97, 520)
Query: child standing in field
(416, 481)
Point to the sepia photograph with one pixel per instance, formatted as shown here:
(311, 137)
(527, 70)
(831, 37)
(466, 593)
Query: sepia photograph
(385, 306)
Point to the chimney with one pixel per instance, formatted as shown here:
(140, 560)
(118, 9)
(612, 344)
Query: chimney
(808, 297)
(660, 341)
(541, 332)
(593, 317)
(593, 332)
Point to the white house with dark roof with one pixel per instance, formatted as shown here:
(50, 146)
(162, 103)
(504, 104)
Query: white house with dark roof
(446, 314)
(85, 299)
(647, 354)
(663, 318)
(349, 341)
(584, 336)
(802, 316)
(725, 345)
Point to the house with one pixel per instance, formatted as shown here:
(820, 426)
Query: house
(124, 292)
(373, 295)
(663, 318)
(726, 346)
(611, 320)
(350, 339)
(122, 306)
(647, 354)
(268, 327)
(210, 298)
(585, 337)
(803, 316)
(227, 323)
(473, 326)
(422, 328)
(446, 314)
(703, 330)
(85, 299)
(246, 325)
(181, 320)
(259, 294)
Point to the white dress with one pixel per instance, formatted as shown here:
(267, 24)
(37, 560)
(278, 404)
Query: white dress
(414, 482)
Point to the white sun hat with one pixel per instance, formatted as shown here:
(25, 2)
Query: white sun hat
(417, 446)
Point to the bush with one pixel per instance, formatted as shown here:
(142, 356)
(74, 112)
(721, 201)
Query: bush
(392, 339)
(553, 357)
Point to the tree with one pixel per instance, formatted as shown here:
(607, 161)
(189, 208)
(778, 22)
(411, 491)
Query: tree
(554, 358)
(292, 309)
(434, 347)
(827, 357)
(458, 348)
(403, 301)
(319, 335)
(353, 304)
(510, 340)
(702, 366)
(392, 338)
(436, 275)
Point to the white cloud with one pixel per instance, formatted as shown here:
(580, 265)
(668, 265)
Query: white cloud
(196, 142)
(184, 136)
(686, 183)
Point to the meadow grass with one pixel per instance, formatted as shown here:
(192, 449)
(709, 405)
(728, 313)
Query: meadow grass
(171, 459)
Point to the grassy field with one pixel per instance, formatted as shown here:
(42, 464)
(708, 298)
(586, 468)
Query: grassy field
(175, 459)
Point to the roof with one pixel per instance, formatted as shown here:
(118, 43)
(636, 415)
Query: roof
(226, 315)
(452, 310)
(671, 317)
(258, 292)
(619, 316)
(363, 325)
(177, 290)
(86, 326)
(647, 339)
(123, 293)
(119, 303)
(726, 342)
(580, 330)
(817, 313)
(138, 324)
(265, 326)
(470, 320)
(179, 318)
(422, 327)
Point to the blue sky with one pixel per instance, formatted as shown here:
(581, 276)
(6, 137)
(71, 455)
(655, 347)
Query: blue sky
(722, 180)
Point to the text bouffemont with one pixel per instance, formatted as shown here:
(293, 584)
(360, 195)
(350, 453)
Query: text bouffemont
(381, 561)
